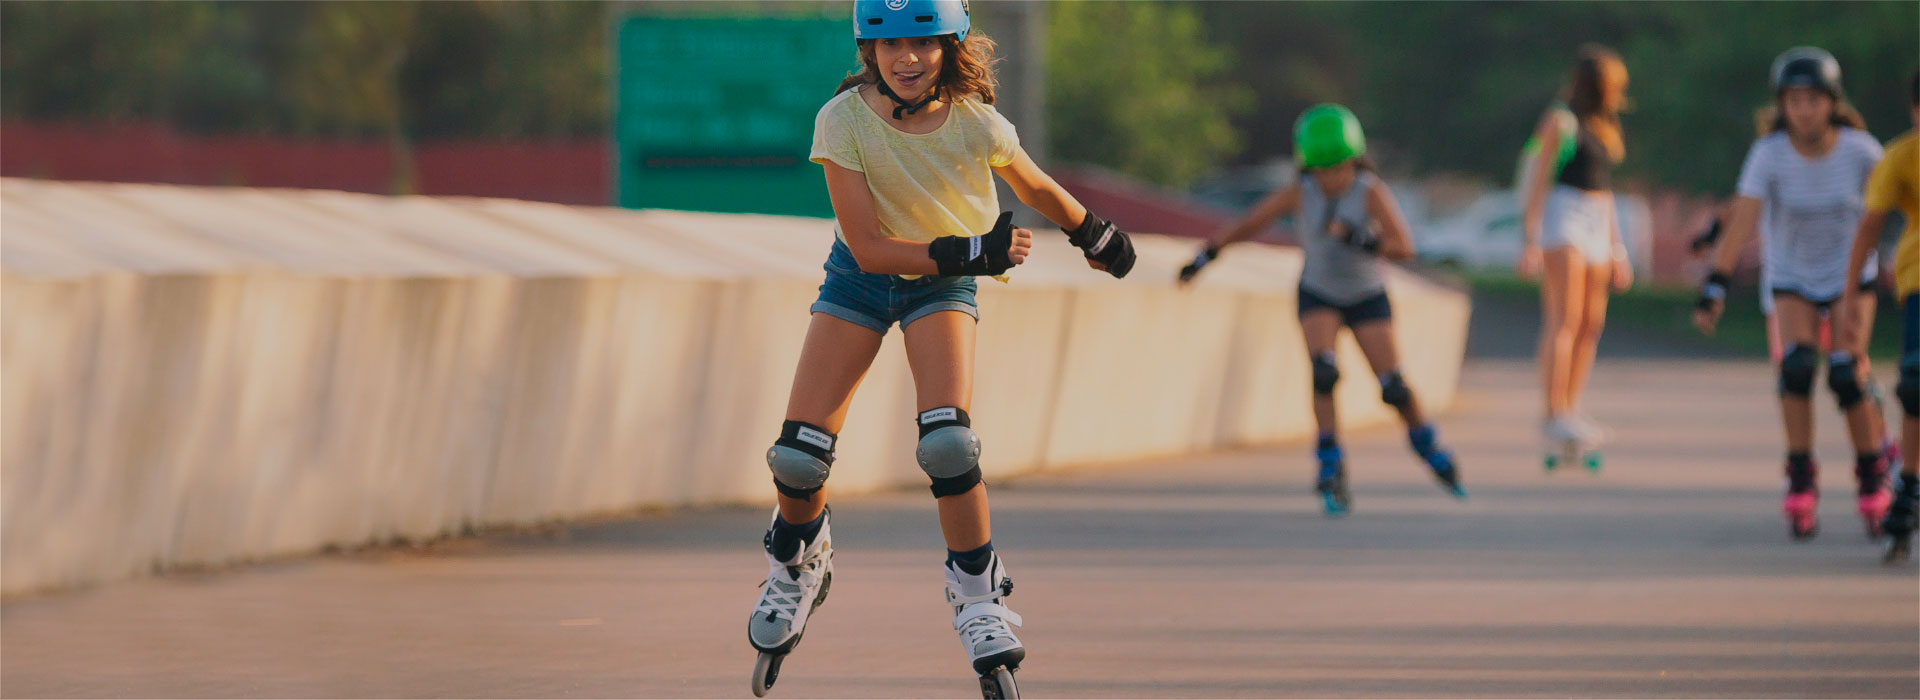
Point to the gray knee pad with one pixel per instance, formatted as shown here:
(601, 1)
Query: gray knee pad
(1326, 373)
(1909, 387)
(1797, 369)
(1394, 390)
(1843, 377)
(949, 451)
(800, 459)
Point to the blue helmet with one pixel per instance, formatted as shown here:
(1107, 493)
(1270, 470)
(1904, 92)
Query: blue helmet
(899, 19)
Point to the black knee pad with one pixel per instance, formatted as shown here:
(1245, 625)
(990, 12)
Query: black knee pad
(1843, 377)
(1325, 374)
(1394, 390)
(1797, 369)
(949, 451)
(1909, 387)
(801, 458)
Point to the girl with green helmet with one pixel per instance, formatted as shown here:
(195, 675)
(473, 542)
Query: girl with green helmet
(1572, 242)
(910, 145)
(1346, 220)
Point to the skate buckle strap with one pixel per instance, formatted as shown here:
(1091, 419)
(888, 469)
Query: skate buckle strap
(775, 599)
(990, 611)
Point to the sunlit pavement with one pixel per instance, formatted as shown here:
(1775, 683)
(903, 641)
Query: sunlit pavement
(1668, 574)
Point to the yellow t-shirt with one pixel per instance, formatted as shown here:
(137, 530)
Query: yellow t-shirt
(924, 185)
(1895, 183)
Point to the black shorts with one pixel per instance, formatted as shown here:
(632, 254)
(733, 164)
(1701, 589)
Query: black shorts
(1818, 304)
(1373, 308)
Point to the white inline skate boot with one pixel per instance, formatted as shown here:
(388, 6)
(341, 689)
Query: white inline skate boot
(794, 587)
(983, 623)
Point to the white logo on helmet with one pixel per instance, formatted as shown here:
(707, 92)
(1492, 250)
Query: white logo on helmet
(896, 4)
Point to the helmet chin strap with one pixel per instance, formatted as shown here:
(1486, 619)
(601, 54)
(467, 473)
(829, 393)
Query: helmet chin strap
(901, 105)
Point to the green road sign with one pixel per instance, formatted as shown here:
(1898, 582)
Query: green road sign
(716, 113)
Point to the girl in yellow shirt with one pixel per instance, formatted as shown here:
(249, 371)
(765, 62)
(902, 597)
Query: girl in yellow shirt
(910, 144)
(1895, 185)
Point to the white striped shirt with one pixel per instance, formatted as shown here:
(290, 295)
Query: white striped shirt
(1813, 207)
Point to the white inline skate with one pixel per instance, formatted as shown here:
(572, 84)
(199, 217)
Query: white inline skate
(982, 622)
(793, 589)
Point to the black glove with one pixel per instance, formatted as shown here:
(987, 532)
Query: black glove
(1100, 241)
(1713, 292)
(1360, 235)
(986, 254)
(1200, 260)
(1707, 238)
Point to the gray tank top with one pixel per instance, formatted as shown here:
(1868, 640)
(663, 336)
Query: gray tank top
(1334, 271)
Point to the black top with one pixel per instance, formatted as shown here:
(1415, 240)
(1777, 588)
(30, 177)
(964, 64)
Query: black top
(1590, 166)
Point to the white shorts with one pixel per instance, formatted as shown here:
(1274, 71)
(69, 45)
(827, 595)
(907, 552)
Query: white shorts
(1576, 219)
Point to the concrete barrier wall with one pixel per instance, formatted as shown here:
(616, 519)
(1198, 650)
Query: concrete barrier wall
(196, 376)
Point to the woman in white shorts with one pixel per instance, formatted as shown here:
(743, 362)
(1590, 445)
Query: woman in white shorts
(1572, 235)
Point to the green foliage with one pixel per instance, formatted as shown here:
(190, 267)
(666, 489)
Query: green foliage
(1139, 87)
(1163, 90)
(404, 70)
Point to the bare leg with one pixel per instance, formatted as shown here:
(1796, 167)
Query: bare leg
(1376, 342)
(940, 353)
(1866, 425)
(1562, 291)
(1592, 318)
(1799, 325)
(1321, 328)
(833, 360)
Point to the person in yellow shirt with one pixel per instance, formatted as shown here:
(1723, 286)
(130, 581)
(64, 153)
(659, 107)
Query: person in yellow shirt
(1895, 184)
(910, 144)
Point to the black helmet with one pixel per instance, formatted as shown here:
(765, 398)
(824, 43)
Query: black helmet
(1806, 66)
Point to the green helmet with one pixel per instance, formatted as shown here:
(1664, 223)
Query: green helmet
(1327, 134)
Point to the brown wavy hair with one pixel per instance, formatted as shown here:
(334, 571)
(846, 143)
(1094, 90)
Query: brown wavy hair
(966, 68)
(1586, 98)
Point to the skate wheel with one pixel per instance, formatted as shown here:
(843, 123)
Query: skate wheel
(999, 685)
(1593, 462)
(1333, 505)
(1898, 550)
(765, 670)
(1552, 462)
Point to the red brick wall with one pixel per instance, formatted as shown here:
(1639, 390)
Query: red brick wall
(572, 172)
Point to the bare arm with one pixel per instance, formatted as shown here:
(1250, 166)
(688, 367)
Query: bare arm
(1742, 218)
(1037, 189)
(1396, 238)
(875, 253)
(1270, 209)
(1540, 177)
(1864, 241)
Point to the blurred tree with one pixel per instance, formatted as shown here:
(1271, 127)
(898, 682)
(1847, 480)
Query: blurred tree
(1456, 86)
(1139, 87)
(1165, 91)
(1699, 78)
(348, 73)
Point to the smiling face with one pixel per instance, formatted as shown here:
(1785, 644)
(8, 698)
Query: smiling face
(1809, 110)
(910, 66)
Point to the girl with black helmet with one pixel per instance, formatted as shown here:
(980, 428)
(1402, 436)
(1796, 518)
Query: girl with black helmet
(1808, 175)
(1572, 241)
(910, 145)
(1347, 219)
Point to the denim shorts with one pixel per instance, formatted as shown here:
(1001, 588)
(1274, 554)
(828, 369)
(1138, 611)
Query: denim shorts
(879, 301)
